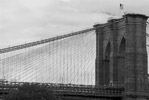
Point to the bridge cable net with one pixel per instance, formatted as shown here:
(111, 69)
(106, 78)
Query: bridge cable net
(147, 45)
(147, 41)
(70, 60)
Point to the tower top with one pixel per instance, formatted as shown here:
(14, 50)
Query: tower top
(135, 15)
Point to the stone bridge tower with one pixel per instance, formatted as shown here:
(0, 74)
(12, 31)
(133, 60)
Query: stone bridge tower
(121, 55)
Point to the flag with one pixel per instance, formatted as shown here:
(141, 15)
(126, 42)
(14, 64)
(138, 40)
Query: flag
(121, 6)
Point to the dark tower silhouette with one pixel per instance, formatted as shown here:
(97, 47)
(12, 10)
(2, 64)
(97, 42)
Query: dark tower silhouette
(121, 55)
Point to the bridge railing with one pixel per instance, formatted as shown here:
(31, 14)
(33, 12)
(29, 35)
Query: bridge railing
(70, 89)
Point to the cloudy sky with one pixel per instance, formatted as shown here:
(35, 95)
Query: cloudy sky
(28, 20)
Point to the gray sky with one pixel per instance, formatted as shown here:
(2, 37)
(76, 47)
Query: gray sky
(28, 20)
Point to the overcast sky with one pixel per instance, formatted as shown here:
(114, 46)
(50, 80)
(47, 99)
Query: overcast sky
(28, 20)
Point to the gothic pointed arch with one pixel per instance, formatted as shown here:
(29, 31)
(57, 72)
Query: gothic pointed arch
(107, 51)
(121, 61)
(107, 64)
(122, 47)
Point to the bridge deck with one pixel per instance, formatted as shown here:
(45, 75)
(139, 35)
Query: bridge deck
(71, 89)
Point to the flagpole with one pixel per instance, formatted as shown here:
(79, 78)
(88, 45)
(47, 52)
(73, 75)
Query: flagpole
(121, 10)
(120, 13)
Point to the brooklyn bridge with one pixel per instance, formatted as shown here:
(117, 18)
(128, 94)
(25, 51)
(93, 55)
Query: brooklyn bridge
(105, 62)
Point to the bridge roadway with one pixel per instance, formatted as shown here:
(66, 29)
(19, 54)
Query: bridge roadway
(71, 90)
